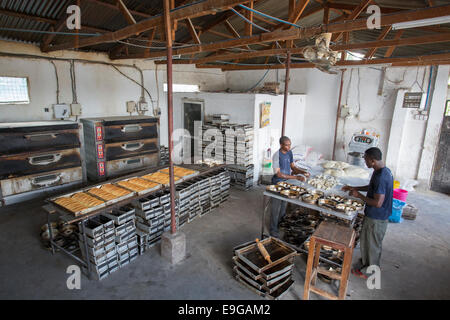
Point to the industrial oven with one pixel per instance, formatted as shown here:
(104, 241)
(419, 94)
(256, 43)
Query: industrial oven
(119, 145)
(38, 157)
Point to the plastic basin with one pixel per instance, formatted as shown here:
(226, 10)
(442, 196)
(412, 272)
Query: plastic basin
(400, 194)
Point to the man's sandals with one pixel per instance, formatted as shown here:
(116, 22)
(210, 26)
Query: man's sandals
(359, 274)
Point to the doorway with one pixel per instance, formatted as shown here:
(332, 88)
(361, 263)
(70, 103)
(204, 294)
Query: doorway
(193, 110)
(440, 181)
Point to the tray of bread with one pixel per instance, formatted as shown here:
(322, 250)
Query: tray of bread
(79, 203)
(139, 185)
(110, 193)
(161, 178)
(181, 172)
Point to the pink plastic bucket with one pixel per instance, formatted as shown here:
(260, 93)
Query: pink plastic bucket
(400, 194)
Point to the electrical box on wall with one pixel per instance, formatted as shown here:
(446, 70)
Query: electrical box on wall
(143, 106)
(75, 109)
(131, 106)
(62, 111)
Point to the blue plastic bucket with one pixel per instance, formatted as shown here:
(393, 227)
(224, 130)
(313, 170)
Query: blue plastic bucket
(397, 209)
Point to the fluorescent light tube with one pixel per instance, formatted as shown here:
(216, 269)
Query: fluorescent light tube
(421, 23)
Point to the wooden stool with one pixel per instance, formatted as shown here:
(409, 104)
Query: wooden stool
(337, 237)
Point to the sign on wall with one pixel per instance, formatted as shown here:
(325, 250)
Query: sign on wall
(265, 114)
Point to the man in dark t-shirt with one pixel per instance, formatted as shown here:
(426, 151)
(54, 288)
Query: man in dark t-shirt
(378, 200)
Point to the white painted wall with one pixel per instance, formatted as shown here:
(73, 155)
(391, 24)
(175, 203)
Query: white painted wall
(322, 91)
(372, 111)
(245, 109)
(101, 90)
(408, 145)
(269, 136)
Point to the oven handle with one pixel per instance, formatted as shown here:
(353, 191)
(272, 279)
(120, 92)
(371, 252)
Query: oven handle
(132, 146)
(40, 136)
(53, 178)
(133, 161)
(131, 128)
(35, 160)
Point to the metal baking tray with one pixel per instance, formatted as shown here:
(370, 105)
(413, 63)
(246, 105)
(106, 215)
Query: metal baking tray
(109, 202)
(255, 283)
(278, 270)
(278, 294)
(142, 192)
(274, 284)
(245, 268)
(278, 251)
(81, 212)
(249, 286)
(120, 215)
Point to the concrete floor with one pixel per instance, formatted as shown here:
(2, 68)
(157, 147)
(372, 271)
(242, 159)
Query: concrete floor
(415, 261)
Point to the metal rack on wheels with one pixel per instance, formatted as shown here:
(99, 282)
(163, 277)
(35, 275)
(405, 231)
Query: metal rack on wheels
(69, 219)
(347, 219)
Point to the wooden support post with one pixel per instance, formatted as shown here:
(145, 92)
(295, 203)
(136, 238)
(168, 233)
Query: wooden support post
(286, 92)
(168, 29)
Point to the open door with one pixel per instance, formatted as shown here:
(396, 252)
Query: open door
(193, 110)
(440, 181)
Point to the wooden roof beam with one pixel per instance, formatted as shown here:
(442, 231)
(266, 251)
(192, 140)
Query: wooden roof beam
(192, 32)
(125, 12)
(195, 10)
(390, 50)
(384, 33)
(292, 34)
(47, 20)
(355, 13)
(116, 7)
(48, 38)
(411, 61)
(341, 47)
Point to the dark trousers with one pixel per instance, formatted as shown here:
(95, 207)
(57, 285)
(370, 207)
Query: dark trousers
(371, 239)
(277, 213)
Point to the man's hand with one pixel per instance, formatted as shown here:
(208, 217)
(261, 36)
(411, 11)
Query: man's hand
(306, 174)
(355, 193)
(301, 178)
(347, 188)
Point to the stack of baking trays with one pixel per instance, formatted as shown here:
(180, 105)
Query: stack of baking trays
(244, 145)
(111, 241)
(267, 279)
(100, 246)
(241, 176)
(163, 155)
(153, 216)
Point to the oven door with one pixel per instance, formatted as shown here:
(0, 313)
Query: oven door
(120, 166)
(13, 142)
(40, 181)
(130, 131)
(36, 162)
(120, 150)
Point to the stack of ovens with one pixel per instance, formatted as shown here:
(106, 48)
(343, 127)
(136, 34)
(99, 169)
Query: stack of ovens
(38, 157)
(120, 145)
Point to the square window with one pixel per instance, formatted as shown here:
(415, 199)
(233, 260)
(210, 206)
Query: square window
(14, 90)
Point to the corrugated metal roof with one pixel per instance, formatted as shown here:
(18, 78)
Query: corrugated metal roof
(99, 14)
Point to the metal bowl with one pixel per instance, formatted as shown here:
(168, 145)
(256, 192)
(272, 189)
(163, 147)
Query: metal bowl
(290, 194)
(54, 225)
(46, 234)
(67, 230)
(274, 188)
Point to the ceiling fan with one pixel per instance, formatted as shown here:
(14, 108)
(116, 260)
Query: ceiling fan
(321, 55)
